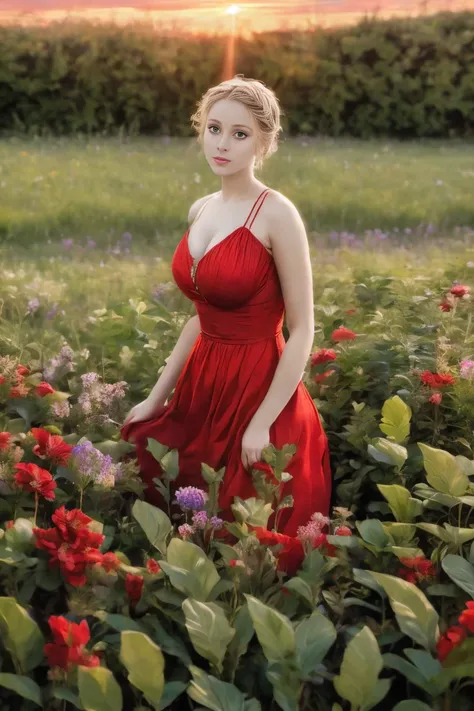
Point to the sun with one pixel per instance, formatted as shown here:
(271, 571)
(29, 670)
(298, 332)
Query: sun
(233, 10)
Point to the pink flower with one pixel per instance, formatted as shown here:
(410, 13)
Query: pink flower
(436, 398)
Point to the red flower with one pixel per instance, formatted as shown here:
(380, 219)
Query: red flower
(420, 569)
(134, 587)
(324, 355)
(453, 637)
(72, 545)
(445, 306)
(460, 290)
(68, 648)
(436, 398)
(22, 370)
(2, 380)
(9, 524)
(466, 617)
(343, 531)
(73, 526)
(44, 389)
(19, 391)
(5, 439)
(436, 380)
(322, 376)
(292, 554)
(51, 446)
(110, 562)
(349, 312)
(32, 478)
(152, 566)
(343, 334)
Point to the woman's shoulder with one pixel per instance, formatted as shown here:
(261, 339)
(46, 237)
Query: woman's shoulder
(196, 206)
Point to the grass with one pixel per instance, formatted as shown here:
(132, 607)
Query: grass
(53, 189)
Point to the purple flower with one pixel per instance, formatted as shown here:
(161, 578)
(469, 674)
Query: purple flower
(467, 369)
(52, 312)
(90, 463)
(190, 498)
(216, 523)
(127, 236)
(33, 305)
(200, 520)
(91, 243)
(68, 243)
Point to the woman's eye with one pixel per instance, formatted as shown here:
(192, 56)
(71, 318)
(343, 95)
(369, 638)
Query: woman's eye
(241, 132)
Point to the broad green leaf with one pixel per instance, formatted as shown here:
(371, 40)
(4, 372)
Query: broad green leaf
(23, 686)
(428, 666)
(285, 677)
(20, 634)
(169, 643)
(244, 632)
(409, 670)
(403, 506)
(396, 415)
(443, 471)
(364, 577)
(372, 532)
(145, 664)
(383, 450)
(215, 694)
(190, 570)
(416, 617)
(64, 694)
(172, 690)
(98, 689)
(274, 630)
(253, 511)
(360, 668)
(435, 530)
(209, 630)
(301, 587)
(461, 571)
(315, 635)
(154, 522)
(401, 533)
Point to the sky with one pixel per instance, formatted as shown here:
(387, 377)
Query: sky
(212, 15)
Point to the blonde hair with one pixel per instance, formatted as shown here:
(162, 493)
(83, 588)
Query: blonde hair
(259, 100)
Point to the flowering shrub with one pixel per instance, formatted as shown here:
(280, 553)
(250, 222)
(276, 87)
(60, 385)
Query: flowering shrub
(108, 602)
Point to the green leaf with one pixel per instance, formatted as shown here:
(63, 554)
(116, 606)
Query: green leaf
(429, 667)
(416, 617)
(20, 634)
(274, 630)
(360, 668)
(443, 471)
(396, 415)
(172, 690)
(383, 450)
(23, 686)
(373, 532)
(209, 630)
(403, 506)
(190, 570)
(253, 511)
(461, 571)
(171, 644)
(217, 695)
(409, 671)
(154, 522)
(315, 635)
(64, 694)
(285, 677)
(145, 664)
(98, 689)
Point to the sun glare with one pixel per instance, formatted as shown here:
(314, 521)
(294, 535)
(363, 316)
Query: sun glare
(233, 10)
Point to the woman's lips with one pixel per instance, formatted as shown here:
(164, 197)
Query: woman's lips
(221, 161)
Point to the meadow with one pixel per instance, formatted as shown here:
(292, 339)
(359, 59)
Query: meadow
(114, 603)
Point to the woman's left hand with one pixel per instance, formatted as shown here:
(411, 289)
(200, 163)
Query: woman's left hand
(255, 439)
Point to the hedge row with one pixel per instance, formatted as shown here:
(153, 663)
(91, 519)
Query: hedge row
(410, 77)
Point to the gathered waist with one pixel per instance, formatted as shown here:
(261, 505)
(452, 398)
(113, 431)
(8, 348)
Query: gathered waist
(240, 340)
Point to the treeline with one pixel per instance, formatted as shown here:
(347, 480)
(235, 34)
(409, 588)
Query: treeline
(403, 78)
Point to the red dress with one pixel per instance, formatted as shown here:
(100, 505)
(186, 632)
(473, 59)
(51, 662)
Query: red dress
(238, 298)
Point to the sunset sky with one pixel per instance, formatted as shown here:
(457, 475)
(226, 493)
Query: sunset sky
(211, 15)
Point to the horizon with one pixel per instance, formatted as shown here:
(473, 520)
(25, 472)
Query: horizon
(214, 16)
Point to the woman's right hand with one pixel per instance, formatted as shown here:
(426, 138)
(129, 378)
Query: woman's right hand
(143, 411)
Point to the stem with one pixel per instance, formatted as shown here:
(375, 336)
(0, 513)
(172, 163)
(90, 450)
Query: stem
(81, 496)
(36, 508)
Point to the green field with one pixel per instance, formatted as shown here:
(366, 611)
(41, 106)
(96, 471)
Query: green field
(63, 188)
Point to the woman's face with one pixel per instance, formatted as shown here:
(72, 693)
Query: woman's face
(230, 132)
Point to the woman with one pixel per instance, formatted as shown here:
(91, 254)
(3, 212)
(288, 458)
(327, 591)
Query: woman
(237, 382)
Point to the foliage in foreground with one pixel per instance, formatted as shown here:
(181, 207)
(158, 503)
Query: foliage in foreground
(107, 602)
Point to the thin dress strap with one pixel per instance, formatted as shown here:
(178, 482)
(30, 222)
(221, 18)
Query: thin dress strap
(264, 193)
